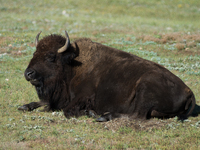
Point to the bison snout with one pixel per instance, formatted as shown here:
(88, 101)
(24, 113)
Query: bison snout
(29, 74)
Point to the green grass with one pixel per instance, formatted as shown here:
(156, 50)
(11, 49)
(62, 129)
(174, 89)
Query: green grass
(150, 29)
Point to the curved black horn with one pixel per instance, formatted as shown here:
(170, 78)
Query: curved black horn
(37, 38)
(67, 43)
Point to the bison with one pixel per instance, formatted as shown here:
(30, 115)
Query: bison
(88, 78)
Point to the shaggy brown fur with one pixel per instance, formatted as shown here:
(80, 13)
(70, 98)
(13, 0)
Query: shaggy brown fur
(91, 78)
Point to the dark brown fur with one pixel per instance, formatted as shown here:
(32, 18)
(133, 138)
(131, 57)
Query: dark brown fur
(90, 76)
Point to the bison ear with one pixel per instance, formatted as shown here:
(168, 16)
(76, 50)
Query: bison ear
(68, 57)
(70, 54)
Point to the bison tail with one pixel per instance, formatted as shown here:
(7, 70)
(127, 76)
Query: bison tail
(189, 107)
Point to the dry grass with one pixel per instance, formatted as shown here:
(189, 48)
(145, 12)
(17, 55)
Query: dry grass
(189, 40)
(14, 146)
(180, 46)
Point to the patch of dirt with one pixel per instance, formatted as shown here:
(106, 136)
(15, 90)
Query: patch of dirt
(147, 125)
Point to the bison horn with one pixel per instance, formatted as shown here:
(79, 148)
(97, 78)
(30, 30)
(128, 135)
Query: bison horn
(36, 39)
(67, 43)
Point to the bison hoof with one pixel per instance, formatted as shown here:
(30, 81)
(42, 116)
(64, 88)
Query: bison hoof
(101, 119)
(23, 108)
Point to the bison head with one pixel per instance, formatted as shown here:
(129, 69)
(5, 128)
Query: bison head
(48, 66)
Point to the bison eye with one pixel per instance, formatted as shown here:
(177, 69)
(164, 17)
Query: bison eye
(51, 57)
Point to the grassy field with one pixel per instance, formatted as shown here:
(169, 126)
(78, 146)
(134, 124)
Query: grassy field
(167, 32)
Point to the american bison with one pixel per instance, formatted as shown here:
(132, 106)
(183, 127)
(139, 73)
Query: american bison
(88, 78)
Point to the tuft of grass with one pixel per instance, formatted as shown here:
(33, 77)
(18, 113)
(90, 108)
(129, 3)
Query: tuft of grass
(180, 46)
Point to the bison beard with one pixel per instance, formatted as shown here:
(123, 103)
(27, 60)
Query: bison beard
(88, 78)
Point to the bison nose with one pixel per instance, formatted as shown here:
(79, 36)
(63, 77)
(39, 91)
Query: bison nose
(29, 74)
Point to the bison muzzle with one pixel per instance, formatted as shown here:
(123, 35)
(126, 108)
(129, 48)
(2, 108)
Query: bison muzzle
(88, 78)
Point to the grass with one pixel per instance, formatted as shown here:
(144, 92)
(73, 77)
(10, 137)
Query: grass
(166, 32)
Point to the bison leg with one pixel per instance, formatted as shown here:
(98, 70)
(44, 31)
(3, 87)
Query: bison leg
(157, 114)
(33, 105)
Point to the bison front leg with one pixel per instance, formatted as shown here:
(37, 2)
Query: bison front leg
(33, 105)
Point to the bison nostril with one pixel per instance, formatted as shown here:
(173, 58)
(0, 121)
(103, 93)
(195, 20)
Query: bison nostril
(30, 73)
